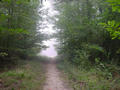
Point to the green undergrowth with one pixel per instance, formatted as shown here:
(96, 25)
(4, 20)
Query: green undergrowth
(92, 79)
(28, 76)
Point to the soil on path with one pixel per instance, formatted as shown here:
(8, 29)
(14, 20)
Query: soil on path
(53, 80)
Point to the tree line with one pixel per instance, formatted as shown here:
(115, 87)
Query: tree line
(89, 32)
(19, 29)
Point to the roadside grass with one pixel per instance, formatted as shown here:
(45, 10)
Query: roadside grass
(88, 80)
(28, 76)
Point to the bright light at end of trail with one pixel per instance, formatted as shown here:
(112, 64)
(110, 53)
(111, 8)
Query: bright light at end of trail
(49, 11)
(50, 52)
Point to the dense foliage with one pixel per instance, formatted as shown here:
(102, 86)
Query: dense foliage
(89, 32)
(19, 29)
(89, 43)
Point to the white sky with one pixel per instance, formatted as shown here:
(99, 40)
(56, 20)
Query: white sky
(50, 52)
(49, 11)
(48, 7)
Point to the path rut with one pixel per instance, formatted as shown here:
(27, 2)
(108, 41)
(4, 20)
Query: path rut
(53, 80)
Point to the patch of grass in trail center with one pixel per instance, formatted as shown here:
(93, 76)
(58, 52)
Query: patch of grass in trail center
(87, 80)
(29, 76)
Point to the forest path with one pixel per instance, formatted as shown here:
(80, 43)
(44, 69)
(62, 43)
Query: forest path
(53, 79)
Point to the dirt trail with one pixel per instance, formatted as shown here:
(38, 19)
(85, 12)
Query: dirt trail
(53, 81)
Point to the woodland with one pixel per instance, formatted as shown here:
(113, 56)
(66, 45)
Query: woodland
(89, 42)
(19, 30)
(87, 32)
